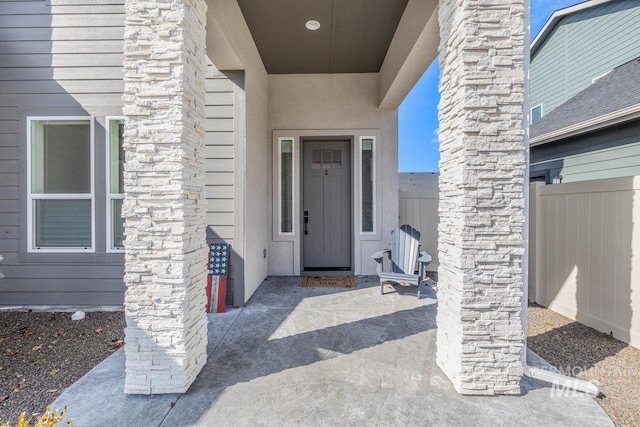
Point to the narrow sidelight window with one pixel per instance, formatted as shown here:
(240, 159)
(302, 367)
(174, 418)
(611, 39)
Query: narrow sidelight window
(115, 185)
(60, 184)
(367, 176)
(286, 185)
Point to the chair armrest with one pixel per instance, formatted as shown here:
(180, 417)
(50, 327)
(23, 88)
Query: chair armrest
(380, 254)
(425, 258)
(378, 258)
(423, 261)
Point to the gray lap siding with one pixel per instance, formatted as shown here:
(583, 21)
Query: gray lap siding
(64, 58)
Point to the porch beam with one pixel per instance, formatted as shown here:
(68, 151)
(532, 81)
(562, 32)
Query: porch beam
(481, 335)
(164, 205)
(412, 50)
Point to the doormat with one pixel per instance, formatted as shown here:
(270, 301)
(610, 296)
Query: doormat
(328, 282)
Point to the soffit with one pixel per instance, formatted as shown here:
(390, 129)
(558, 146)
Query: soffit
(354, 35)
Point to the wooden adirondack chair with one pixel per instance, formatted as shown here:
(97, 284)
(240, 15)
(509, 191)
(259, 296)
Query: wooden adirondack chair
(405, 247)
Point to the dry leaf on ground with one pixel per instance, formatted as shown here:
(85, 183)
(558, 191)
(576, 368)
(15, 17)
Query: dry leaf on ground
(116, 343)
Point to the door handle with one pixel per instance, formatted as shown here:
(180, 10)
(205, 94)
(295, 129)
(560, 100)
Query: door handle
(306, 221)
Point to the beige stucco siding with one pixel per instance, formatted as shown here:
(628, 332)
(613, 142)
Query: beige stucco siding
(251, 172)
(345, 105)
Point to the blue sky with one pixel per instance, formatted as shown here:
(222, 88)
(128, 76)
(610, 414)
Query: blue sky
(418, 114)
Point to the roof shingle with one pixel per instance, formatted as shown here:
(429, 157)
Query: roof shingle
(618, 90)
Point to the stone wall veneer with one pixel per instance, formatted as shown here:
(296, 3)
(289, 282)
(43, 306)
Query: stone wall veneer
(164, 206)
(480, 335)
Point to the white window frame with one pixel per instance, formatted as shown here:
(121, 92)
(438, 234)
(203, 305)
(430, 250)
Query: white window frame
(374, 189)
(531, 112)
(109, 195)
(32, 197)
(293, 186)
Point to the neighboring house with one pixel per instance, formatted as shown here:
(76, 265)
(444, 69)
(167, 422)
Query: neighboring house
(585, 108)
(286, 148)
(576, 46)
(583, 100)
(595, 134)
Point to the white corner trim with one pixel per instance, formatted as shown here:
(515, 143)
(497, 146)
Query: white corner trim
(614, 118)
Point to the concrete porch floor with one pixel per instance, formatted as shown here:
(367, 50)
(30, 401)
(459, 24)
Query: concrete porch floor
(321, 357)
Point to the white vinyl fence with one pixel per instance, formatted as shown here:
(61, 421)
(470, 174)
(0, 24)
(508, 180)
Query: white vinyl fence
(584, 253)
(420, 210)
(584, 249)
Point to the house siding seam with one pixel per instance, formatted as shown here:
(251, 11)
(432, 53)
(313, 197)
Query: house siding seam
(164, 206)
(480, 337)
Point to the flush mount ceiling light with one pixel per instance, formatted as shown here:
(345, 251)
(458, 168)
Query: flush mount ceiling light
(312, 25)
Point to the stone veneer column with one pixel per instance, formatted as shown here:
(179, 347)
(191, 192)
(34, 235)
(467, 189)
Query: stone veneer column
(480, 335)
(164, 206)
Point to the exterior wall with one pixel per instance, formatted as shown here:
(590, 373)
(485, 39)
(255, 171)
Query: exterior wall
(344, 105)
(59, 58)
(64, 58)
(585, 257)
(224, 93)
(253, 150)
(582, 46)
(608, 153)
(257, 172)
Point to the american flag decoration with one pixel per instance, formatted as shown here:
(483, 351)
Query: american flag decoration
(217, 278)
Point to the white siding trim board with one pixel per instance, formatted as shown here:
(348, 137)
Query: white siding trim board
(617, 117)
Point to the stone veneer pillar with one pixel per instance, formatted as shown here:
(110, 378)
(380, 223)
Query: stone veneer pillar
(164, 206)
(480, 335)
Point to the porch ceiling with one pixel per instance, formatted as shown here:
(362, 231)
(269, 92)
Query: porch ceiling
(354, 35)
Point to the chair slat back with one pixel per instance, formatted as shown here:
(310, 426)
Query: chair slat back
(405, 244)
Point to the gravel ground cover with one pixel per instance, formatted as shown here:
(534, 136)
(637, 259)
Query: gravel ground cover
(587, 354)
(41, 354)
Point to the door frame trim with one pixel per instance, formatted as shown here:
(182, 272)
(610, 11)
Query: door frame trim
(285, 250)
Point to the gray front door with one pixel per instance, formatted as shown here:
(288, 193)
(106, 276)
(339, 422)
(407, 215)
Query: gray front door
(326, 205)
